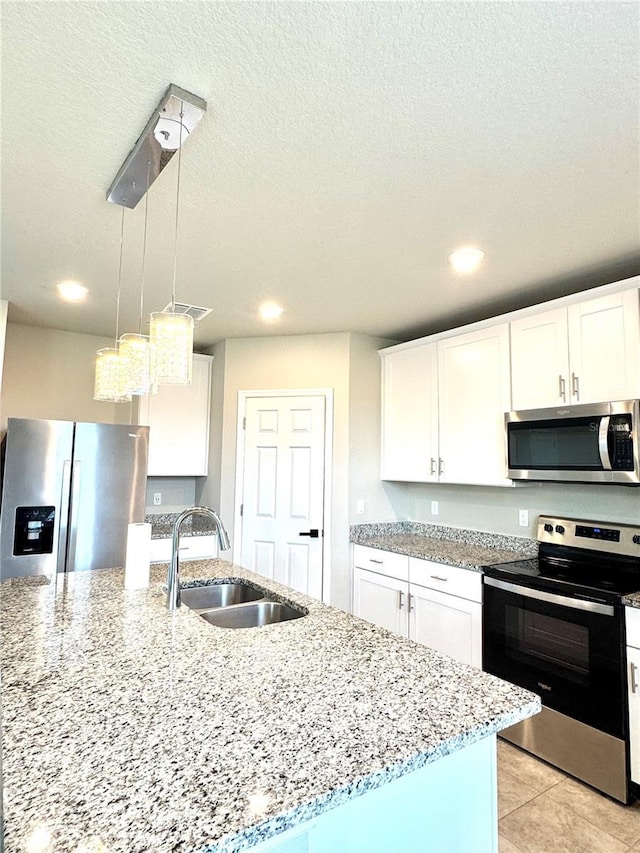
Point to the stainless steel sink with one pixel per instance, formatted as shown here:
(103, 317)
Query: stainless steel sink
(252, 615)
(219, 595)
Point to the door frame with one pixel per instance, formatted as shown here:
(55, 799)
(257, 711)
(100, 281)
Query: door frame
(327, 393)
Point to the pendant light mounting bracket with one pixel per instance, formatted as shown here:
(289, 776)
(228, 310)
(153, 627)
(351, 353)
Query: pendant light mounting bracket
(157, 144)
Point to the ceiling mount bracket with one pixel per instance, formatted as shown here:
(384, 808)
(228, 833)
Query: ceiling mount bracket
(156, 145)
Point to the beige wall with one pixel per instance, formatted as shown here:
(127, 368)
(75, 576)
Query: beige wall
(49, 374)
(4, 308)
(342, 362)
(496, 509)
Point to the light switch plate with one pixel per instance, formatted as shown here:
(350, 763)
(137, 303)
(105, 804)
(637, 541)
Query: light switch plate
(157, 498)
(359, 507)
(523, 516)
(434, 507)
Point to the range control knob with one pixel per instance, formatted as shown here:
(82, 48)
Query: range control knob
(636, 539)
(548, 528)
(559, 529)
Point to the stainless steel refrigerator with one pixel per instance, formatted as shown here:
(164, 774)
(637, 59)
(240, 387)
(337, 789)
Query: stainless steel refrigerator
(69, 492)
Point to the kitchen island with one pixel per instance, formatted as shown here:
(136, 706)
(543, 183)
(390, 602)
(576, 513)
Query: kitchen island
(128, 728)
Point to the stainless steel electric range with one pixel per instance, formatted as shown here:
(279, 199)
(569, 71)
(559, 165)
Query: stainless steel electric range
(555, 625)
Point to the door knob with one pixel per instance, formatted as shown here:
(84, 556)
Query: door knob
(313, 533)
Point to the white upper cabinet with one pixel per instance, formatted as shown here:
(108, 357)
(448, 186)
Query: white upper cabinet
(474, 394)
(604, 348)
(410, 414)
(178, 417)
(588, 352)
(540, 360)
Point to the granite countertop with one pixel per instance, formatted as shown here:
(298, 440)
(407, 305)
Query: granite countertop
(194, 525)
(469, 549)
(632, 600)
(128, 728)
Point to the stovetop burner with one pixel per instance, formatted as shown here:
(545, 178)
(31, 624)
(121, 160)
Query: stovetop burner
(579, 559)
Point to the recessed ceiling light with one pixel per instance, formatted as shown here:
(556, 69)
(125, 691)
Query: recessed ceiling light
(466, 260)
(270, 311)
(72, 291)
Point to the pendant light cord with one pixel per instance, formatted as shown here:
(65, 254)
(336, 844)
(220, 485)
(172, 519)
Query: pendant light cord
(144, 246)
(175, 241)
(119, 278)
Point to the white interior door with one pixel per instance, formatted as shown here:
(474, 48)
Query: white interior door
(283, 490)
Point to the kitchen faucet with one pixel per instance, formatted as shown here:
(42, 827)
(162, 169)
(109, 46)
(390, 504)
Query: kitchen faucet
(173, 577)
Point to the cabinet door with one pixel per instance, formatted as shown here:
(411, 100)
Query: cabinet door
(633, 681)
(540, 360)
(449, 624)
(474, 394)
(604, 348)
(381, 600)
(410, 415)
(178, 420)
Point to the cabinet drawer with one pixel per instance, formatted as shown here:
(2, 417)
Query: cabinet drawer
(382, 562)
(191, 548)
(632, 617)
(450, 579)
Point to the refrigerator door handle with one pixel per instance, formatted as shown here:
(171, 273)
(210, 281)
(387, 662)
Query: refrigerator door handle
(63, 527)
(73, 512)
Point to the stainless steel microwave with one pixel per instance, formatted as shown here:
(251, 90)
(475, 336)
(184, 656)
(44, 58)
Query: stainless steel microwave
(589, 443)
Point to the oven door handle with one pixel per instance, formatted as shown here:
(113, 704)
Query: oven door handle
(552, 598)
(603, 443)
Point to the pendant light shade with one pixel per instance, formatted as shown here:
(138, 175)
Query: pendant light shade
(172, 337)
(140, 356)
(111, 377)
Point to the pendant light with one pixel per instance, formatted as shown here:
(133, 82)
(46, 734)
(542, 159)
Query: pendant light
(111, 365)
(137, 349)
(172, 334)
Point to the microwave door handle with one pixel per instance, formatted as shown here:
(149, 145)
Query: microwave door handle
(603, 442)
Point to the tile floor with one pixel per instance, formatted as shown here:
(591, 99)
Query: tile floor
(541, 810)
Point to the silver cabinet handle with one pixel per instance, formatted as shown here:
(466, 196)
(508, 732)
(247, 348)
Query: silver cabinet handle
(440, 466)
(575, 386)
(410, 602)
(634, 683)
(433, 465)
(563, 388)
(378, 562)
(438, 578)
(400, 599)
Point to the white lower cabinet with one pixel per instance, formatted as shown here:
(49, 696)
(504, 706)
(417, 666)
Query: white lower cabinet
(633, 687)
(434, 604)
(191, 548)
(446, 623)
(381, 600)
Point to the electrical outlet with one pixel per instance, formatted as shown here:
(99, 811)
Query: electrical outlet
(359, 507)
(434, 507)
(523, 516)
(157, 498)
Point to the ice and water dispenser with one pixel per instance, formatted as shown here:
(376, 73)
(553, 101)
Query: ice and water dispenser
(34, 528)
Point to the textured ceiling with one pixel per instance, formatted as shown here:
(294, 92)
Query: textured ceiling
(347, 149)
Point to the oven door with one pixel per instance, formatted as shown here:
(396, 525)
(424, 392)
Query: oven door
(567, 650)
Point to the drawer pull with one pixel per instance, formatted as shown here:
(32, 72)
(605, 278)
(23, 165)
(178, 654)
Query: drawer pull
(439, 578)
(379, 562)
(634, 683)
